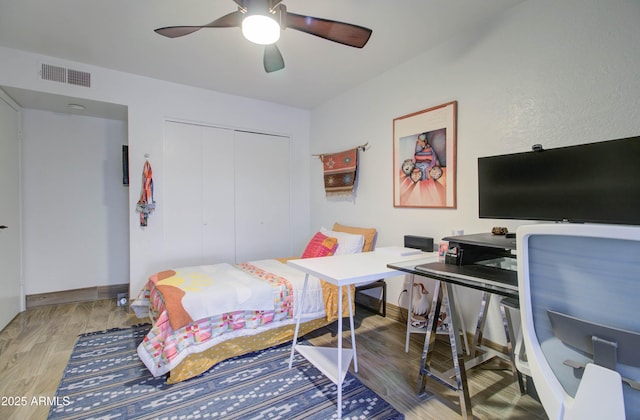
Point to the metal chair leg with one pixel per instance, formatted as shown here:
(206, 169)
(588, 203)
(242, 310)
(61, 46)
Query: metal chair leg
(507, 304)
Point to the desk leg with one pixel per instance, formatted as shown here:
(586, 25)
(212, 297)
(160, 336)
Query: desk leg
(507, 323)
(430, 337)
(339, 384)
(409, 311)
(298, 317)
(482, 320)
(457, 353)
(461, 387)
(353, 331)
(463, 328)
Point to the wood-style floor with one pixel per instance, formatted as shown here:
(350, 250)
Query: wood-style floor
(36, 345)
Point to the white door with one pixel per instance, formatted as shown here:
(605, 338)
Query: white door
(10, 230)
(198, 194)
(262, 177)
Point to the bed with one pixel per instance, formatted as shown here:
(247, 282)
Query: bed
(202, 315)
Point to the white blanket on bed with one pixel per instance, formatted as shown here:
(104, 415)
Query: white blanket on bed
(221, 288)
(313, 302)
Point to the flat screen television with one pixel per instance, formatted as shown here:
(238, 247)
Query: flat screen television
(588, 183)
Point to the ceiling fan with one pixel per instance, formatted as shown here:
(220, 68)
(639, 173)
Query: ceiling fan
(262, 20)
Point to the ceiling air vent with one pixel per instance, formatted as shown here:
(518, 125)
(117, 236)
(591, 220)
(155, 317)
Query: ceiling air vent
(64, 75)
(54, 73)
(79, 78)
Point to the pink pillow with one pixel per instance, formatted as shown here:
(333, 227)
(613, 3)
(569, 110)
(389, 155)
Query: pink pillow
(320, 246)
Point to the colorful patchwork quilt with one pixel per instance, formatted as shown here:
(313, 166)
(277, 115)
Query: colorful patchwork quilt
(196, 308)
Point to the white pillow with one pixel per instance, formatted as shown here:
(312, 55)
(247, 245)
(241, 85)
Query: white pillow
(348, 243)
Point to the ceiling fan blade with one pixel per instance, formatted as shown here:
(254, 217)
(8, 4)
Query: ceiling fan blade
(343, 33)
(230, 20)
(272, 59)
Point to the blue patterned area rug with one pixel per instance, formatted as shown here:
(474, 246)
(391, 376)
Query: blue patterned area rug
(105, 379)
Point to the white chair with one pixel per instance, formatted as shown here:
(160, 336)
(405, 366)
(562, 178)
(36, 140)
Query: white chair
(579, 289)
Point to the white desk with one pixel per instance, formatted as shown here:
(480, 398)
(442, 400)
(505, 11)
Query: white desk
(345, 270)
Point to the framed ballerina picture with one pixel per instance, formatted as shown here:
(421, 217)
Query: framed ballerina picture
(424, 158)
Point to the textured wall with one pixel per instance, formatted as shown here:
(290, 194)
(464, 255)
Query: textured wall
(555, 73)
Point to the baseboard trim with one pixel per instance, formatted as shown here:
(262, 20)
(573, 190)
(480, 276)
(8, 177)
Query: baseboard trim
(87, 294)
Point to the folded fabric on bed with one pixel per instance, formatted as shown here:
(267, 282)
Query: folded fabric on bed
(194, 293)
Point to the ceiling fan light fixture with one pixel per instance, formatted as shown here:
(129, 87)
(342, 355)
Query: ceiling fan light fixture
(260, 29)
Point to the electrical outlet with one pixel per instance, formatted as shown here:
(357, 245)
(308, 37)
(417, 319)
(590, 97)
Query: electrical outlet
(122, 299)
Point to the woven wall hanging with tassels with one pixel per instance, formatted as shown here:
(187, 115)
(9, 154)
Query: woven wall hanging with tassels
(340, 170)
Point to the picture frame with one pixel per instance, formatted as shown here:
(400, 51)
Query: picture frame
(424, 158)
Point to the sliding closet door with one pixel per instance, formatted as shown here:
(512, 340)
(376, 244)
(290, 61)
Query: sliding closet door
(218, 195)
(198, 194)
(225, 195)
(262, 177)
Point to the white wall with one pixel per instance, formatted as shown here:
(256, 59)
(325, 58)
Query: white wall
(555, 73)
(150, 102)
(548, 72)
(76, 233)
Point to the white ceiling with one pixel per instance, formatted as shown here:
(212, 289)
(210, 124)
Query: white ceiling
(118, 34)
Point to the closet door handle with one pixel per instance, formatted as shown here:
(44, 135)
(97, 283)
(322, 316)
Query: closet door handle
(3, 227)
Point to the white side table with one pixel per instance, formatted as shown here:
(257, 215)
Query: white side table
(346, 270)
